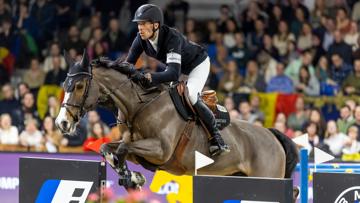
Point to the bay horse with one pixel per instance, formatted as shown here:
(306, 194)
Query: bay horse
(156, 129)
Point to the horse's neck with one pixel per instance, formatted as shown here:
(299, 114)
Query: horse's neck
(127, 95)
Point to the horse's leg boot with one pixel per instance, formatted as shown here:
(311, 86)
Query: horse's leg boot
(217, 144)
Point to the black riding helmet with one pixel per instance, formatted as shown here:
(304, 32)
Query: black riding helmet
(149, 12)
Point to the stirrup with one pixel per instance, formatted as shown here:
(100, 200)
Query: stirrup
(216, 149)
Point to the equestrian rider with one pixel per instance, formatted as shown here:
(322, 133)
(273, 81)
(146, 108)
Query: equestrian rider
(180, 56)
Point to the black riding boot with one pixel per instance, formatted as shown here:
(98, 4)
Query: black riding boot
(217, 144)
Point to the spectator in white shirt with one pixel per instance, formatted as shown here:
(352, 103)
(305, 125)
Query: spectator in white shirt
(8, 134)
(335, 139)
(31, 136)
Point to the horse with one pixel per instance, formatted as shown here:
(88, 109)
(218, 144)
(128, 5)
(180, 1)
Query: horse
(156, 129)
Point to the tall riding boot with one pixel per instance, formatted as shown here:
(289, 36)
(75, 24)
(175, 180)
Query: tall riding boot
(217, 144)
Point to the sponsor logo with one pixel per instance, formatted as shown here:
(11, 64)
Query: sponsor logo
(349, 195)
(9, 183)
(60, 191)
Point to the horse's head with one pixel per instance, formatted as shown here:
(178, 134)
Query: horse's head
(81, 93)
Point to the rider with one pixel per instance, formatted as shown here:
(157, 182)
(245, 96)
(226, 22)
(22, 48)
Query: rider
(181, 56)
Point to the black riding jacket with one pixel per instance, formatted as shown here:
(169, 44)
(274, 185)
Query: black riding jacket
(178, 53)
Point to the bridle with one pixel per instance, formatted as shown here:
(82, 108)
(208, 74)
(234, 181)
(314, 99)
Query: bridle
(80, 106)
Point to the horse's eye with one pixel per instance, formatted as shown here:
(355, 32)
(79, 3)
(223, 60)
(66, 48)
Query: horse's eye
(79, 86)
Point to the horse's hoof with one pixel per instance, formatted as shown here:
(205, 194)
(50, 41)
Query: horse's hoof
(138, 178)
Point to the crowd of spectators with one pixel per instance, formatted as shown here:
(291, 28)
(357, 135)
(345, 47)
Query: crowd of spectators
(311, 48)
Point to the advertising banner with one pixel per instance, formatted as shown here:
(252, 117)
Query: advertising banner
(9, 175)
(336, 187)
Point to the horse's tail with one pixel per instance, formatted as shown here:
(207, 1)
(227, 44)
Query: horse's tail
(292, 156)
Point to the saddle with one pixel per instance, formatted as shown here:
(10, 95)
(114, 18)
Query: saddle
(180, 97)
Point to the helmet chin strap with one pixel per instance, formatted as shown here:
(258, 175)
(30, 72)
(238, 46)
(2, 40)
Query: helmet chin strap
(154, 31)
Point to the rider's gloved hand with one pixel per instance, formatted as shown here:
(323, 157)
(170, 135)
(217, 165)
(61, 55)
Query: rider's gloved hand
(139, 77)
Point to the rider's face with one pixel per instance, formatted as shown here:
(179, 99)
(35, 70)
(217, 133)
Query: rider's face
(146, 29)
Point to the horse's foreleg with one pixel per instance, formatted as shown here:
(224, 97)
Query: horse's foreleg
(115, 154)
(151, 149)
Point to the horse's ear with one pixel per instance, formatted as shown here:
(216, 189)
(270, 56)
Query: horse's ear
(85, 60)
(69, 61)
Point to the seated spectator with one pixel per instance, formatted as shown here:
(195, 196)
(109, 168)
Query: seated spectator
(351, 84)
(334, 139)
(96, 133)
(351, 38)
(254, 38)
(55, 51)
(307, 83)
(267, 65)
(73, 40)
(26, 111)
(281, 126)
(322, 71)
(352, 104)
(8, 102)
(229, 34)
(255, 107)
(21, 90)
(293, 69)
(9, 134)
(35, 76)
(56, 75)
(280, 117)
(92, 118)
(245, 112)
(254, 81)
(343, 22)
(280, 82)
(292, 53)
(317, 117)
(231, 79)
(31, 136)
(317, 49)
(346, 119)
(51, 134)
(96, 42)
(268, 47)
(240, 53)
(305, 38)
(340, 69)
(297, 22)
(340, 48)
(314, 140)
(53, 107)
(297, 119)
(230, 106)
(8, 35)
(352, 145)
(282, 38)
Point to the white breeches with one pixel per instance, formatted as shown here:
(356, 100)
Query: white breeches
(197, 79)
